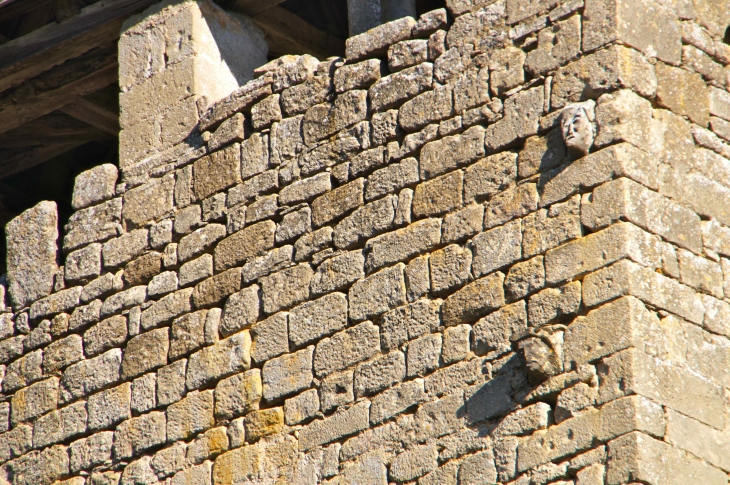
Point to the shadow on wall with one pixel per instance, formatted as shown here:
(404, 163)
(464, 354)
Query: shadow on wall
(53, 180)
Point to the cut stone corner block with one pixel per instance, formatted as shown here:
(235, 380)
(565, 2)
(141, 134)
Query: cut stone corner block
(175, 58)
(32, 246)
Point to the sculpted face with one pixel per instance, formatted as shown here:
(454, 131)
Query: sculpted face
(576, 122)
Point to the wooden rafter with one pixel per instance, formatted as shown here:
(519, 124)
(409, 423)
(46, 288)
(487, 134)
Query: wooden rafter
(19, 160)
(93, 114)
(54, 128)
(58, 87)
(30, 55)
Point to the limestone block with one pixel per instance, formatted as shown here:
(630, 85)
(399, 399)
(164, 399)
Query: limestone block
(89, 452)
(23, 371)
(456, 345)
(402, 244)
(189, 416)
(375, 41)
(474, 300)
(426, 108)
(62, 353)
(167, 308)
(525, 278)
(39, 467)
(384, 126)
(266, 112)
(263, 423)
(719, 103)
(143, 269)
(288, 374)
(459, 375)
(628, 278)
(622, 240)
(346, 348)
(499, 329)
(683, 92)
(356, 76)
(521, 119)
(396, 88)
(238, 394)
(444, 155)
(379, 374)
(16, 442)
(214, 290)
(366, 161)
(391, 178)
(230, 355)
(60, 301)
(31, 253)
(496, 248)
(554, 303)
(326, 119)
(700, 273)
(253, 187)
(285, 288)
(637, 456)
(144, 393)
(301, 408)
(607, 69)
(83, 264)
(409, 322)
(336, 390)
(199, 241)
(423, 355)
(506, 69)
(450, 268)
(556, 46)
(442, 194)
(58, 426)
(109, 407)
(648, 27)
(148, 202)
(187, 334)
(514, 202)
(377, 293)
(337, 202)
(417, 276)
(145, 352)
(407, 53)
(95, 185)
(415, 463)
(138, 434)
(313, 320)
(298, 99)
(478, 468)
(697, 438)
(187, 219)
(337, 426)
(33, 401)
(90, 375)
(393, 401)
(338, 273)
(294, 224)
(92, 224)
(124, 248)
(170, 383)
(247, 243)
(365, 222)
(240, 311)
(196, 270)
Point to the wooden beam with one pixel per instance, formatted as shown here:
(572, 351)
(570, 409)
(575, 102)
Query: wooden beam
(249, 7)
(58, 87)
(53, 128)
(99, 23)
(93, 114)
(14, 161)
(287, 33)
(14, 8)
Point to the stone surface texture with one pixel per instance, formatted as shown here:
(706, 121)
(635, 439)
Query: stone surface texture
(379, 272)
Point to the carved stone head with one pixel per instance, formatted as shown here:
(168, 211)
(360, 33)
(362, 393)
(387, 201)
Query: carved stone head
(578, 128)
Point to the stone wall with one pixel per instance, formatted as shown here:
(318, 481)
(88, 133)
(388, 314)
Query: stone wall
(488, 247)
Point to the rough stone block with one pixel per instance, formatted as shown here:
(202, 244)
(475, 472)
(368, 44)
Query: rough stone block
(402, 244)
(392, 90)
(167, 308)
(58, 302)
(58, 426)
(31, 253)
(683, 92)
(83, 264)
(346, 348)
(338, 273)
(170, 382)
(337, 202)
(214, 290)
(498, 330)
(238, 394)
(93, 186)
(288, 374)
(428, 107)
(496, 248)
(191, 415)
(381, 373)
(230, 355)
(199, 241)
(357, 76)
(109, 407)
(423, 355)
(301, 408)
(376, 41)
(96, 223)
(245, 244)
(88, 376)
(521, 119)
(136, 435)
(34, 400)
(326, 119)
(407, 53)
(61, 354)
(339, 425)
(145, 352)
(391, 178)
(365, 222)
(285, 288)
(263, 423)
(440, 195)
(377, 293)
(444, 155)
(450, 268)
(187, 334)
(474, 300)
(148, 202)
(648, 27)
(490, 176)
(89, 452)
(553, 303)
(313, 320)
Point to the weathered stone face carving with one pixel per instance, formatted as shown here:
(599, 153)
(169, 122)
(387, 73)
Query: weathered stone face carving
(578, 128)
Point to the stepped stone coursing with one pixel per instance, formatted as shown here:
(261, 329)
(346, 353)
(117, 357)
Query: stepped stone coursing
(491, 245)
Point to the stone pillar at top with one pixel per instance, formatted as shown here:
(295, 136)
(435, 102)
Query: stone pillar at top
(364, 15)
(172, 55)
